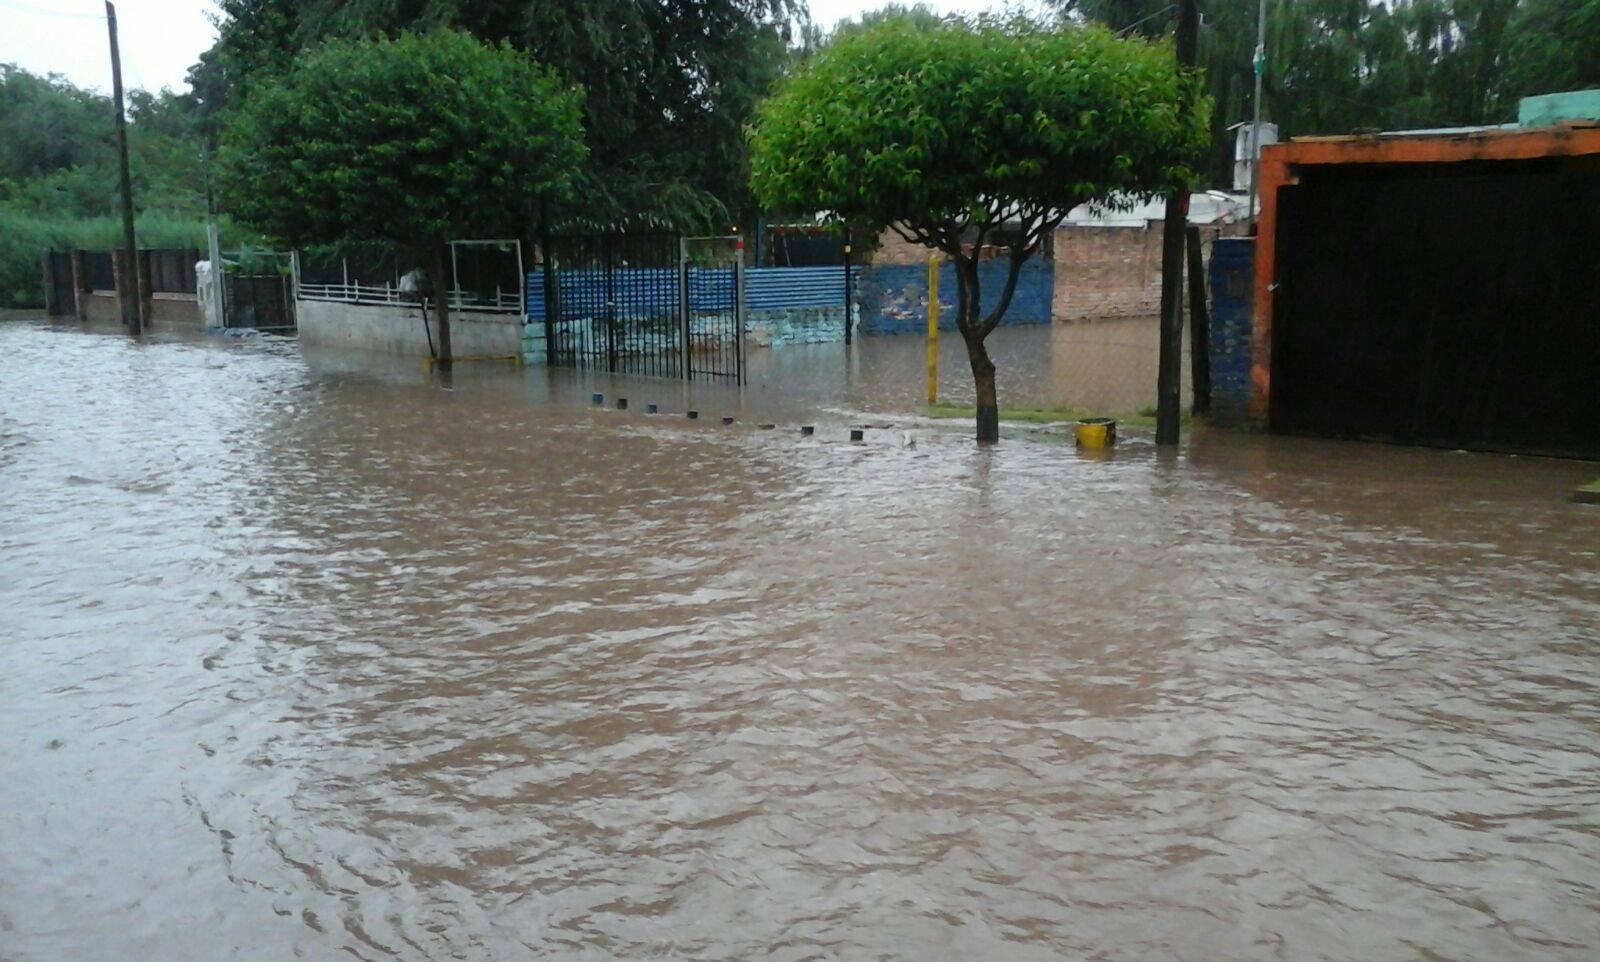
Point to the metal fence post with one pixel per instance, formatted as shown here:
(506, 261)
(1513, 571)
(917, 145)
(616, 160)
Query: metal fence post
(552, 302)
(142, 276)
(80, 286)
(933, 329)
(738, 316)
(608, 260)
(848, 292)
(683, 310)
(47, 263)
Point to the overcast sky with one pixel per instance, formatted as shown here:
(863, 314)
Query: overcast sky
(161, 38)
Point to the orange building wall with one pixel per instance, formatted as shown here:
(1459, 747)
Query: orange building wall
(1282, 164)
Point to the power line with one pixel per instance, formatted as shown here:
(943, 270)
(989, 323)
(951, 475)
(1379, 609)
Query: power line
(58, 14)
(1142, 20)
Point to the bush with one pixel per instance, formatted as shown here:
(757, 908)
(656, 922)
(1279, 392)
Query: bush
(25, 236)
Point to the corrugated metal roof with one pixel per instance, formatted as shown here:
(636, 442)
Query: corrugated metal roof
(1205, 207)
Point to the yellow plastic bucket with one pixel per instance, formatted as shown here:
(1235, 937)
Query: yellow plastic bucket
(1096, 433)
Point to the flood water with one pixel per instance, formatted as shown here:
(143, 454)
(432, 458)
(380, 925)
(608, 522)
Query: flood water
(305, 657)
(1106, 366)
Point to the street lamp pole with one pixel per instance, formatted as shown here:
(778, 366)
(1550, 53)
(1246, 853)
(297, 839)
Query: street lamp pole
(1260, 65)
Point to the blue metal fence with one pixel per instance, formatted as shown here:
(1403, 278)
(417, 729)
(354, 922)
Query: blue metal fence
(780, 288)
(710, 289)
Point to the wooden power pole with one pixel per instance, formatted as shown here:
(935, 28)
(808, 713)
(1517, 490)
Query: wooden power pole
(1169, 377)
(129, 294)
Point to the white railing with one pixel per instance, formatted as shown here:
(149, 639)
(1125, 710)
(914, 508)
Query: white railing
(353, 293)
(500, 302)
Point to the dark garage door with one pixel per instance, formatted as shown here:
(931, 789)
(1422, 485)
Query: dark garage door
(1455, 306)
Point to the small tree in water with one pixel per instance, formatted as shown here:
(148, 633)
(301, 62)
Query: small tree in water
(410, 142)
(960, 133)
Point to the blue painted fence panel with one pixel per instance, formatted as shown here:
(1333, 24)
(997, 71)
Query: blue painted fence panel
(894, 297)
(1232, 285)
(656, 289)
(784, 288)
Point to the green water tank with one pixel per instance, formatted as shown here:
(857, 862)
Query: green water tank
(1547, 109)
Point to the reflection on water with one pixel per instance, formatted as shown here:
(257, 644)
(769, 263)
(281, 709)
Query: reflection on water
(304, 658)
(1105, 365)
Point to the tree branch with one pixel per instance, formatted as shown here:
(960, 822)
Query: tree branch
(1006, 293)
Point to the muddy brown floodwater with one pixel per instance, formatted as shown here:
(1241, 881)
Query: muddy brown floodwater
(304, 658)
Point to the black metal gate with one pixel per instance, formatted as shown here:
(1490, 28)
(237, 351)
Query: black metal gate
(262, 301)
(713, 281)
(634, 304)
(60, 298)
(1457, 310)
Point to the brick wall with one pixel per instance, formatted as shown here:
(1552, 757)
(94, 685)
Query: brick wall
(1107, 272)
(1097, 272)
(894, 249)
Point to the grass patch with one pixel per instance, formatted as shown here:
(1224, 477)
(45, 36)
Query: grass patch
(1043, 415)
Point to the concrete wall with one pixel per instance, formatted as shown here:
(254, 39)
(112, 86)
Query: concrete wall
(794, 325)
(397, 329)
(173, 310)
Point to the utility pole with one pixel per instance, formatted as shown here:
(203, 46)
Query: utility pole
(213, 243)
(1260, 65)
(130, 286)
(1169, 378)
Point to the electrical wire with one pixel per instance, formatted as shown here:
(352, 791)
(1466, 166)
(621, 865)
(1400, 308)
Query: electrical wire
(42, 12)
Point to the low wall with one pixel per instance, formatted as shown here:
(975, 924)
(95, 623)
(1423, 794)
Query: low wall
(794, 325)
(397, 329)
(176, 310)
(893, 298)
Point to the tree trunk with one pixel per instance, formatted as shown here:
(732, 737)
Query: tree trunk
(439, 282)
(988, 399)
(973, 333)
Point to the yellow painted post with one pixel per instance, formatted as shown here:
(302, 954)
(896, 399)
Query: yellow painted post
(933, 329)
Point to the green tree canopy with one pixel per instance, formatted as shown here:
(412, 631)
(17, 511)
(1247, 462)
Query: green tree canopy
(1341, 66)
(406, 141)
(952, 133)
(58, 173)
(49, 123)
(1553, 46)
(668, 84)
(409, 141)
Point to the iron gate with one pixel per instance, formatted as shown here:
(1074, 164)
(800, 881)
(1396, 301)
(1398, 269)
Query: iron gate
(262, 301)
(637, 304)
(60, 296)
